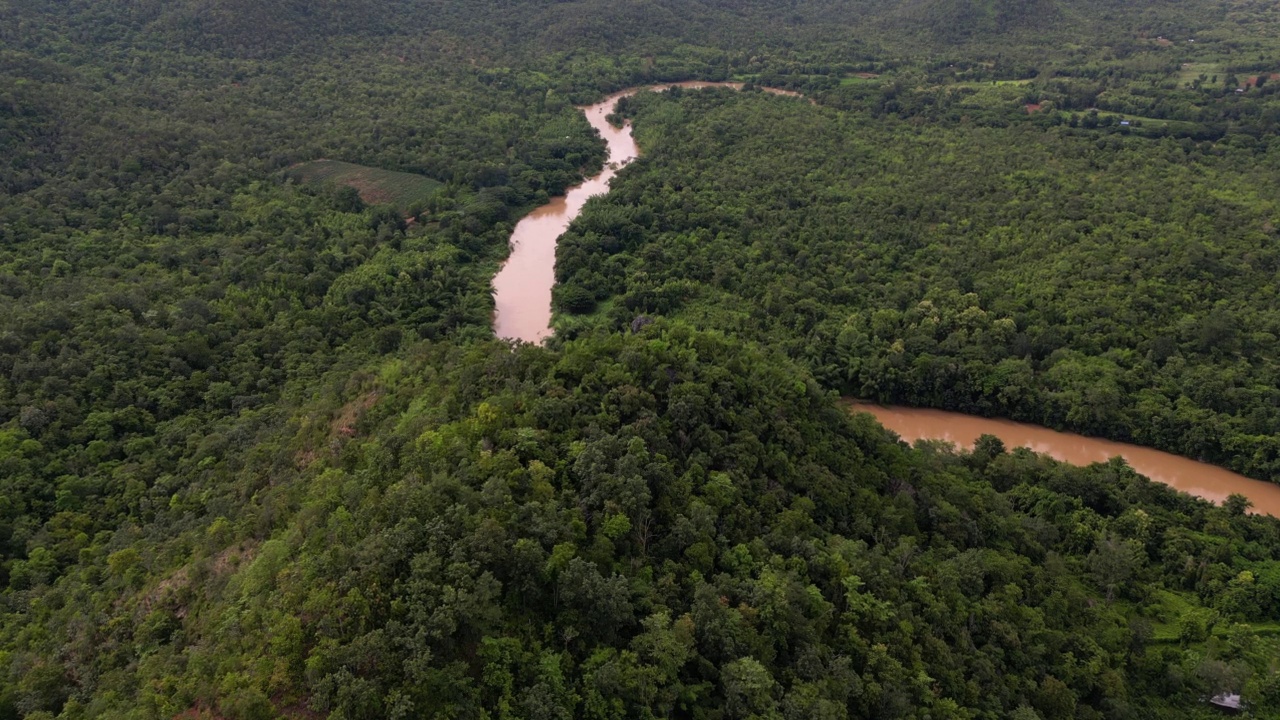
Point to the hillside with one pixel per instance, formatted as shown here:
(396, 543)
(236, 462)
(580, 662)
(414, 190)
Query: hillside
(1027, 274)
(657, 523)
(281, 27)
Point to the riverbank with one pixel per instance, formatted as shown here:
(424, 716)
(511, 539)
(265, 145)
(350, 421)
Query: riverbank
(1190, 476)
(522, 286)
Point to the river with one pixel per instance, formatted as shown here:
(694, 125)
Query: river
(522, 287)
(1200, 479)
(522, 294)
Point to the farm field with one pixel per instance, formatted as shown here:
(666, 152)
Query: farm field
(976, 84)
(1190, 71)
(858, 78)
(375, 185)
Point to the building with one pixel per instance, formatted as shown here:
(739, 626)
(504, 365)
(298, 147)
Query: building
(1228, 703)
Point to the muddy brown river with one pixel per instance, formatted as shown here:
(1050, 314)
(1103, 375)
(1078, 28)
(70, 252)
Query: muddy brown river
(522, 288)
(1199, 479)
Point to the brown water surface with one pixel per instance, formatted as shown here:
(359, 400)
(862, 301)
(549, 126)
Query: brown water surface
(1200, 479)
(522, 287)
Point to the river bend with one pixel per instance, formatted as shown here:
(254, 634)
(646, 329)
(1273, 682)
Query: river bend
(522, 288)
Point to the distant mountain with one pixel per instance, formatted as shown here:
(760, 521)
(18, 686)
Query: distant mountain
(966, 19)
(273, 27)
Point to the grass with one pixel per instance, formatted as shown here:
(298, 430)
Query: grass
(987, 96)
(857, 78)
(979, 84)
(1170, 606)
(1155, 122)
(1147, 122)
(376, 186)
(1138, 123)
(566, 324)
(1191, 71)
(1266, 629)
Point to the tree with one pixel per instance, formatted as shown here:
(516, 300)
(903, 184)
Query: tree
(749, 690)
(601, 605)
(1114, 561)
(986, 448)
(1054, 699)
(1237, 504)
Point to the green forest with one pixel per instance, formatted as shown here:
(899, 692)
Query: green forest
(261, 455)
(1120, 286)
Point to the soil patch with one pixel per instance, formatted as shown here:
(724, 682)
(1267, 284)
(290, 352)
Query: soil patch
(375, 185)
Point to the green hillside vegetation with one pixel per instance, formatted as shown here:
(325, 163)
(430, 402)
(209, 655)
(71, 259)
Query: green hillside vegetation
(260, 455)
(1050, 274)
(374, 185)
(667, 522)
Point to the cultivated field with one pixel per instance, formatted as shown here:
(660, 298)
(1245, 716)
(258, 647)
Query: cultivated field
(376, 186)
(1190, 71)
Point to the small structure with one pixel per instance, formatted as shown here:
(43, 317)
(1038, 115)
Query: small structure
(1124, 123)
(1228, 703)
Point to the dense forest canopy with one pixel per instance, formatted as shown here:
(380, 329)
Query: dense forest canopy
(1117, 285)
(260, 455)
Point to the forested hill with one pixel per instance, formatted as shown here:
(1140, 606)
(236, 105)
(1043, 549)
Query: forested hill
(281, 27)
(261, 456)
(666, 523)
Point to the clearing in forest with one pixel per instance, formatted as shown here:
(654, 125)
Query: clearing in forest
(1191, 71)
(854, 78)
(376, 186)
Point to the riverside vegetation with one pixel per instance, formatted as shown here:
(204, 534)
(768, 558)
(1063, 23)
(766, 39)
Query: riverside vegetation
(260, 455)
(1115, 285)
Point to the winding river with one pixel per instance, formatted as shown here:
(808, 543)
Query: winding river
(1200, 479)
(522, 288)
(522, 293)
